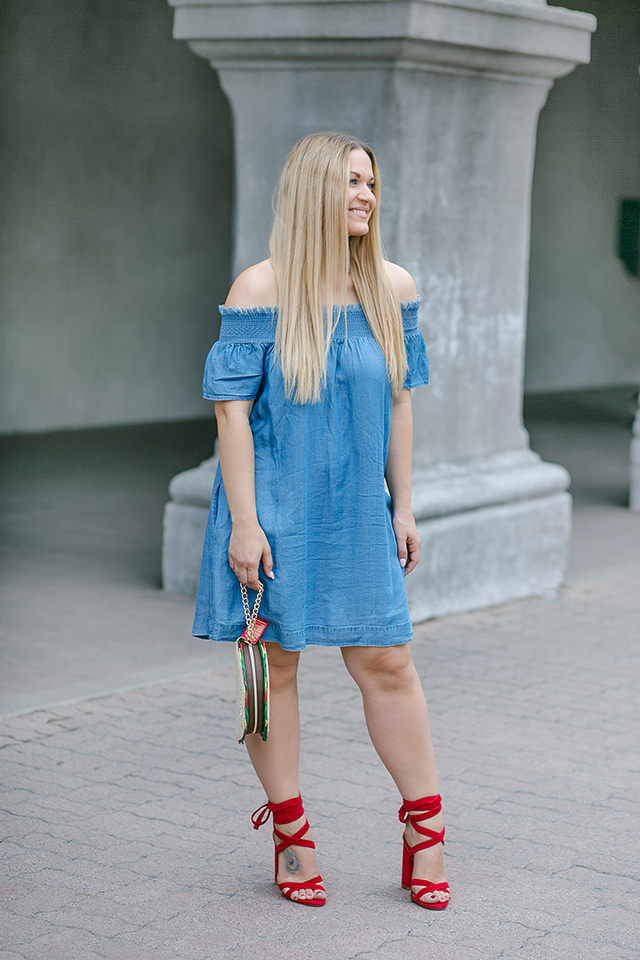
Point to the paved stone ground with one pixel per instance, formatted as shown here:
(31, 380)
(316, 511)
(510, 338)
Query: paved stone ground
(126, 819)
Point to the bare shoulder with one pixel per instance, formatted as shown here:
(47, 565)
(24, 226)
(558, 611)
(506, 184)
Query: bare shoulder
(403, 281)
(255, 287)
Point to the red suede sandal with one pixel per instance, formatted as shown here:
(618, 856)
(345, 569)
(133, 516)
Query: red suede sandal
(413, 811)
(287, 812)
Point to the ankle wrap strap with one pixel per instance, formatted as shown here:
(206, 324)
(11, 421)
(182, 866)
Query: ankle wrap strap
(285, 812)
(426, 807)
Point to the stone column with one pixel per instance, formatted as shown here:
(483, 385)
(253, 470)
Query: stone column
(448, 93)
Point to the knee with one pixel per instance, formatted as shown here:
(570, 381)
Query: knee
(387, 669)
(283, 666)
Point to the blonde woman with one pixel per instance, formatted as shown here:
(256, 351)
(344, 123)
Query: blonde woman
(318, 351)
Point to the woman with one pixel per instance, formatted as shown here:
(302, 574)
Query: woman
(312, 416)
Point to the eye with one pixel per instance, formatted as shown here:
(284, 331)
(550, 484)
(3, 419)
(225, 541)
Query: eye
(353, 181)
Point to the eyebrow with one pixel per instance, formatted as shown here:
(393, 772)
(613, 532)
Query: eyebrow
(354, 173)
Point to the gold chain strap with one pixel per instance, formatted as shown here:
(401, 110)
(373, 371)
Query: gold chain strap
(249, 615)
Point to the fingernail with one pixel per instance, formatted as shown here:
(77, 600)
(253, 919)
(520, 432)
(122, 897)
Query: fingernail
(271, 576)
(403, 562)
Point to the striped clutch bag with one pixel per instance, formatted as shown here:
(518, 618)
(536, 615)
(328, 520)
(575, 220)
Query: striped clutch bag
(252, 673)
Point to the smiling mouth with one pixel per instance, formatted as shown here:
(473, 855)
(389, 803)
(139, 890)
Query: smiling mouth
(359, 211)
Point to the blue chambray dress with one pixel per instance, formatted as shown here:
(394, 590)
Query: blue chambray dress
(320, 490)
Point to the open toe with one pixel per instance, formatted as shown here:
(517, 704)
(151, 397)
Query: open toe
(425, 888)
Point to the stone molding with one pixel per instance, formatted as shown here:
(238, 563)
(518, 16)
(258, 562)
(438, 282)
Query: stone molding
(194, 487)
(514, 475)
(489, 36)
(505, 478)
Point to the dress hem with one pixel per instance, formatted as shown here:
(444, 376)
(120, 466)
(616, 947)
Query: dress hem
(351, 637)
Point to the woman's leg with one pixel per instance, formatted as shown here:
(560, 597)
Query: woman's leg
(398, 721)
(276, 762)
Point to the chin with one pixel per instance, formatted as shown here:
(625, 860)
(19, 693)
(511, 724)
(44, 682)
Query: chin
(358, 229)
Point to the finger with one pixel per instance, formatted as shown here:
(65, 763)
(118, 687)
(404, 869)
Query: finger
(402, 552)
(267, 562)
(253, 581)
(242, 574)
(235, 565)
(414, 556)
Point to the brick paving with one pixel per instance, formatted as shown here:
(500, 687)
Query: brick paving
(125, 819)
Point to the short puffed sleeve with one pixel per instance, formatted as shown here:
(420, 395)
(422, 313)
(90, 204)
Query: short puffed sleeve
(235, 366)
(417, 359)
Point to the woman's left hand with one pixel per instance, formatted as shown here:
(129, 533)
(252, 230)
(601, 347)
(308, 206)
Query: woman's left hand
(408, 541)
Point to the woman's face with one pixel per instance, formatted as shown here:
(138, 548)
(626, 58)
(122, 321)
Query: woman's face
(361, 198)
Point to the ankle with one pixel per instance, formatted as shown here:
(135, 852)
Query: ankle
(293, 826)
(418, 812)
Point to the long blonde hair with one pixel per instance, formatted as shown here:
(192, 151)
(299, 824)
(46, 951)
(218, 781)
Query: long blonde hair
(312, 255)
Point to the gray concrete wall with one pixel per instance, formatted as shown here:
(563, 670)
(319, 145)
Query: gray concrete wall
(115, 211)
(584, 306)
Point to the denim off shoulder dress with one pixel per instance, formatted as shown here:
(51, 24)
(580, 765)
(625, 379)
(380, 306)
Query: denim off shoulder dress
(320, 490)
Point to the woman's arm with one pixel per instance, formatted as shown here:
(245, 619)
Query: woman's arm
(248, 546)
(398, 474)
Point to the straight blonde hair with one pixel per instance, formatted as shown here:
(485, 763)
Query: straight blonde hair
(313, 255)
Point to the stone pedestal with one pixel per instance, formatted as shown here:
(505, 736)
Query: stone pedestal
(184, 523)
(448, 93)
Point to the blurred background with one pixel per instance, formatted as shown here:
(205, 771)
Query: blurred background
(116, 199)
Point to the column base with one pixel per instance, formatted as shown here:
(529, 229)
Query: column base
(490, 555)
(492, 530)
(183, 526)
(490, 533)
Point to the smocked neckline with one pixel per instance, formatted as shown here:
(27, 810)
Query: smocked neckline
(271, 311)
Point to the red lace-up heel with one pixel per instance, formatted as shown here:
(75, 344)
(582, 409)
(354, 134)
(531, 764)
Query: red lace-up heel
(413, 811)
(287, 812)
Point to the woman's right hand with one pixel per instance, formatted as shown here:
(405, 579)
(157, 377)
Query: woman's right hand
(248, 547)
